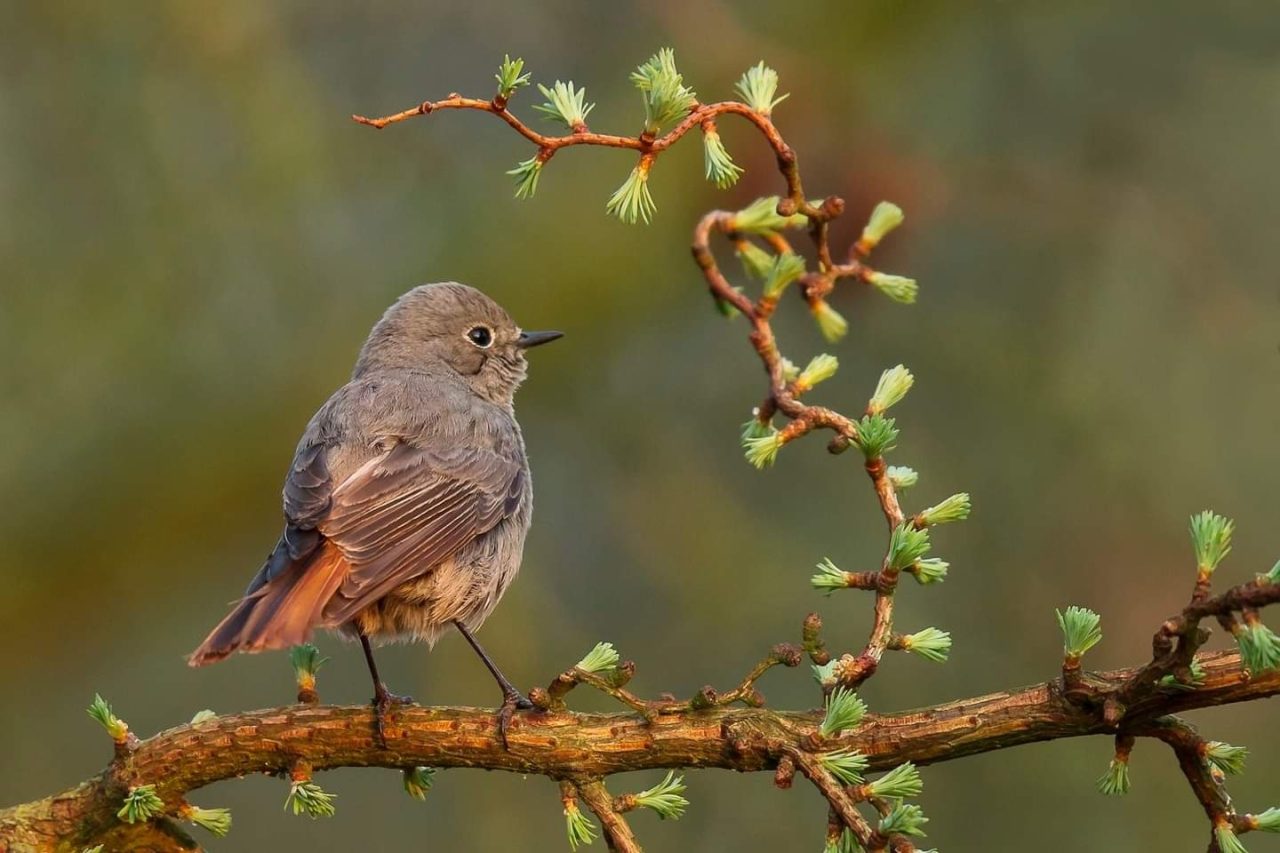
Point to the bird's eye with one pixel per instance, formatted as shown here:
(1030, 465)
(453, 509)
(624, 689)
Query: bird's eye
(480, 336)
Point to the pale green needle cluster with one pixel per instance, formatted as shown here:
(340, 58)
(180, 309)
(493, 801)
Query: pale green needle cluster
(759, 89)
(632, 202)
(666, 98)
(216, 821)
(140, 804)
(306, 797)
(579, 827)
(1081, 630)
(600, 659)
(510, 76)
(1115, 782)
(665, 797)
(844, 710)
(101, 711)
(418, 781)
(565, 103)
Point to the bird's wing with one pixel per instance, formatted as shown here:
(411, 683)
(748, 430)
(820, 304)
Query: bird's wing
(307, 493)
(404, 512)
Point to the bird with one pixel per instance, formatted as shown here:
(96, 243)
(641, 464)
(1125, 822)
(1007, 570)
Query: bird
(409, 496)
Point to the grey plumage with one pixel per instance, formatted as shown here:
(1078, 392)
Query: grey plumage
(409, 496)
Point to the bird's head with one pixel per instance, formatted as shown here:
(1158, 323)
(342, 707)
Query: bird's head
(454, 326)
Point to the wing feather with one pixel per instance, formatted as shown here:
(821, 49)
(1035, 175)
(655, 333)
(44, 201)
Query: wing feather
(406, 511)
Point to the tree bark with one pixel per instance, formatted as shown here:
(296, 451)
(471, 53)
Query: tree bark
(568, 745)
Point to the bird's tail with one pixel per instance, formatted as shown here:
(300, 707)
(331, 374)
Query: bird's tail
(279, 614)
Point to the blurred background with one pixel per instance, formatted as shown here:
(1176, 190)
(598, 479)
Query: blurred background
(196, 239)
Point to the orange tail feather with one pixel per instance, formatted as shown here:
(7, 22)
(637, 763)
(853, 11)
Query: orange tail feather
(280, 614)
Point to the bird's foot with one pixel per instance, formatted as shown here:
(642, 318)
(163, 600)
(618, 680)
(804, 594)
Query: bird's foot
(383, 701)
(511, 701)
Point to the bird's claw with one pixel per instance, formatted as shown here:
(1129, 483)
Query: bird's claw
(383, 701)
(510, 703)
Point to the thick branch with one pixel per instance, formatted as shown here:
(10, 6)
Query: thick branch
(570, 745)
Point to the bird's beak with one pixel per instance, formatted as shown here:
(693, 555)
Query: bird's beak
(533, 339)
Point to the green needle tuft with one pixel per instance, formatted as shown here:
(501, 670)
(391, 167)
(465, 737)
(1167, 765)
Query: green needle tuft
(1115, 782)
(101, 711)
(824, 674)
(719, 166)
(893, 386)
(306, 797)
(510, 77)
(819, 369)
(758, 87)
(1259, 647)
(756, 262)
(877, 435)
(216, 821)
(762, 450)
(902, 477)
(846, 765)
(307, 661)
(761, 217)
(930, 570)
(1268, 821)
(1225, 758)
(141, 804)
(886, 217)
(954, 508)
(902, 781)
(418, 781)
(930, 644)
(907, 545)
(785, 268)
(904, 819)
(896, 287)
(666, 98)
(1211, 537)
(632, 201)
(1081, 630)
(526, 174)
(844, 710)
(579, 827)
(600, 659)
(831, 323)
(565, 104)
(664, 797)
(829, 577)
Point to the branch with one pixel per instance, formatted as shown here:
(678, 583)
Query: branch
(575, 746)
(617, 832)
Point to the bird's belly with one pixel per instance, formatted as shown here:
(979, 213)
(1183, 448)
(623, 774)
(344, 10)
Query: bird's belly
(464, 588)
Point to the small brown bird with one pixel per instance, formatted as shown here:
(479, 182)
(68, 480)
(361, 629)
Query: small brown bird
(409, 496)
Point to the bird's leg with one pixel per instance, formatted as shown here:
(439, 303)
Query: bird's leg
(511, 697)
(383, 698)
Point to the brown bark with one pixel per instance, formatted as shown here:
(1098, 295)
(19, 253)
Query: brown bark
(576, 746)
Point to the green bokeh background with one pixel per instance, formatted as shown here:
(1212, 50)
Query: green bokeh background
(196, 238)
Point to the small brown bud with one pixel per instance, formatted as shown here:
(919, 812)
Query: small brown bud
(703, 699)
(540, 698)
(785, 774)
(787, 654)
(787, 207)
